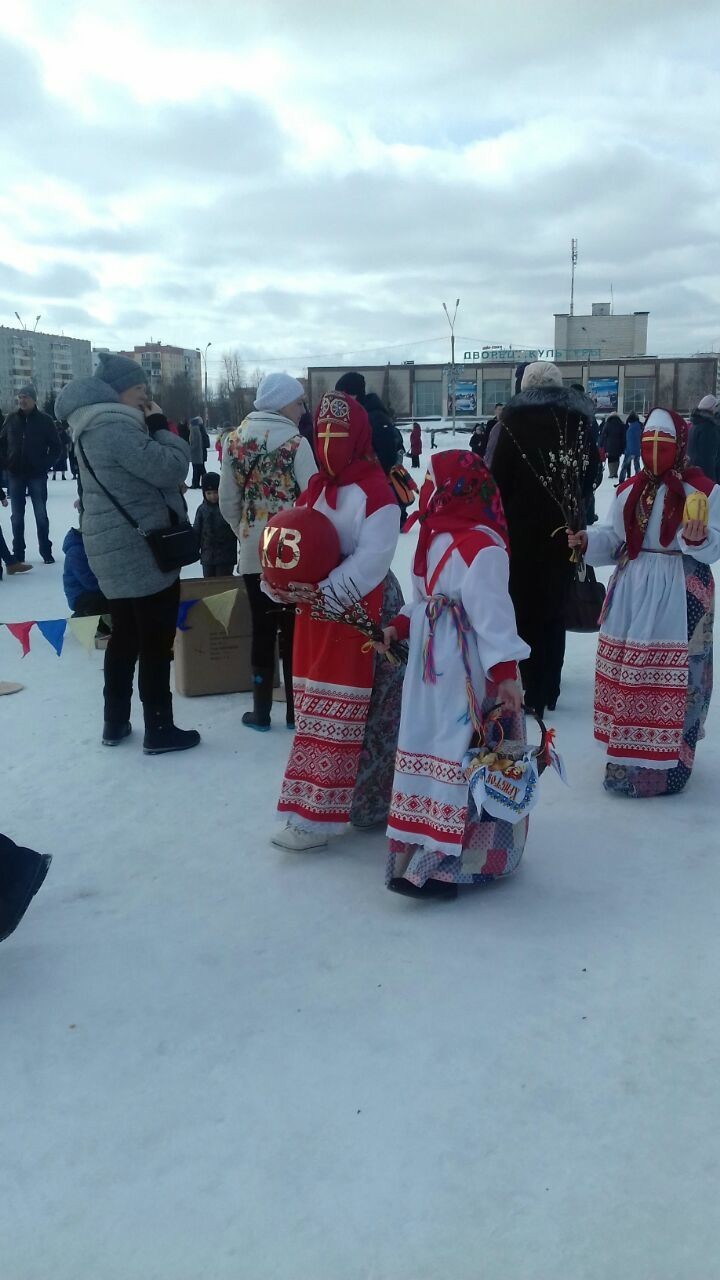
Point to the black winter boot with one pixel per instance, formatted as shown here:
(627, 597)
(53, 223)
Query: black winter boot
(259, 717)
(116, 718)
(162, 735)
(289, 699)
(114, 733)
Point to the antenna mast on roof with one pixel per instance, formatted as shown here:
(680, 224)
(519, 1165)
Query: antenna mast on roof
(573, 260)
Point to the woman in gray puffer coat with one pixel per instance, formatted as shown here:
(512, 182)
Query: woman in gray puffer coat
(122, 443)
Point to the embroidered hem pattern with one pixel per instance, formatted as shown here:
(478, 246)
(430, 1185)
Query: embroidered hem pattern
(320, 776)
(427, 821)
(640, 696)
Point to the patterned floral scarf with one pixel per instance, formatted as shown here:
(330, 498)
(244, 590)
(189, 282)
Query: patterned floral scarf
(458, 494)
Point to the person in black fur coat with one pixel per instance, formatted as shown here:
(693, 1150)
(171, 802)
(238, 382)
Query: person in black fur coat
(533, 423)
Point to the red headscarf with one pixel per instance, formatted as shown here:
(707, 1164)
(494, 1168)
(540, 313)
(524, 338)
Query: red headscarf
(344, 452)
(644, 486)
(458, 494)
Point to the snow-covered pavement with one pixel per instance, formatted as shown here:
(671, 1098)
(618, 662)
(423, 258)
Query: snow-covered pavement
(223, 1062)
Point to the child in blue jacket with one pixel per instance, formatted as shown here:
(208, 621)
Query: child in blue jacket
(82, 589)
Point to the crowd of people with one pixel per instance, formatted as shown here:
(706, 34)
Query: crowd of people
(382, 729)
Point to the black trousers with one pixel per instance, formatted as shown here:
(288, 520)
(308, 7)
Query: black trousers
(268, 621)
(415, 459)
(143, 632)
(198, 473)
(219, 570)
(542, 671)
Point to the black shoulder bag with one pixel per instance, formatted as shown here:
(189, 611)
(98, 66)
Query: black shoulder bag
(584, 602)
(173, 546)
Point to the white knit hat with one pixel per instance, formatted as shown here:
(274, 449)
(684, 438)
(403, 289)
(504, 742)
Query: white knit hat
(541, 373)
(710, 403)
(276, 391)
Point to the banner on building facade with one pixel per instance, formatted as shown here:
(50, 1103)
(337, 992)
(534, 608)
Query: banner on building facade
(465, 397)
(604, 391)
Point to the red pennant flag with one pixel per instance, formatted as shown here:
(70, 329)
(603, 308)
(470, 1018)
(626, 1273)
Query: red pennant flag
(21, 632)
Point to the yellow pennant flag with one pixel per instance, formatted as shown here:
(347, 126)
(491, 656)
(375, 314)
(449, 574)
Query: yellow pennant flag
(221, 606)
(84, 630)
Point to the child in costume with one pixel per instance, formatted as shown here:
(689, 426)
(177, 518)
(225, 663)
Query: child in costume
(463, 656)
(346, 700)
(653, 675)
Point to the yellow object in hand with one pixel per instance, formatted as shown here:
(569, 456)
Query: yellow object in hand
(696, 507)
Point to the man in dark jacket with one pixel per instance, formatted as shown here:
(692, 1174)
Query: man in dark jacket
(387, 441)
(704, 441)
(29, 446)
(542, 422)
(612, 440)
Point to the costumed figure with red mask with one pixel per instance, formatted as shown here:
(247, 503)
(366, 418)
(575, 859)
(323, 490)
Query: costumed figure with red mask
(463, 659)
(347, 699)
(653, 676)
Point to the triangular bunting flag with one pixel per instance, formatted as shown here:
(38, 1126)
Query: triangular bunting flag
(84, 630)
(183, 610)
(221, 606)
(21, 632)
(53, 630)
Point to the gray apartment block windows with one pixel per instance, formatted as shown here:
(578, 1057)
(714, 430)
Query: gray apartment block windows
(428, 399)
(494, 391)
(638, 394)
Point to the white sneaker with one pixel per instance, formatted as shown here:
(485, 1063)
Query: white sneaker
(298, 841)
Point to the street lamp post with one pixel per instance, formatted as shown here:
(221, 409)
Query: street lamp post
(205, 397)
(27, 344)
(452, 355)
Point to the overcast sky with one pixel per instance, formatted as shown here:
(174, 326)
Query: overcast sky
(308, 181)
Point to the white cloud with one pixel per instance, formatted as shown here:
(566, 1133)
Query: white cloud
(308, 178)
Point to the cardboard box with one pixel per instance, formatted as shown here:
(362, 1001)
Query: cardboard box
(207, 660)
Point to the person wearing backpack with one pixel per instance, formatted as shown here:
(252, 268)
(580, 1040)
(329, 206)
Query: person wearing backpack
(266, 466)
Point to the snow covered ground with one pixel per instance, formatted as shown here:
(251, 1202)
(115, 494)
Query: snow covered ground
(222, 1062)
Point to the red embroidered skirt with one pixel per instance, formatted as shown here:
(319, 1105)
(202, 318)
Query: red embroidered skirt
(332, 684)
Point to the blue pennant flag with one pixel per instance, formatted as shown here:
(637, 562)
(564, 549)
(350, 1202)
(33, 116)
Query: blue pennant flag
(53, 630)
(183, 610)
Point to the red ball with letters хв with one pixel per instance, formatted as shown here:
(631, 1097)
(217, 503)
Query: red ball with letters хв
(298, 545)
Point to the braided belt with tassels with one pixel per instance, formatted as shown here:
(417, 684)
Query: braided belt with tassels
(435, 608)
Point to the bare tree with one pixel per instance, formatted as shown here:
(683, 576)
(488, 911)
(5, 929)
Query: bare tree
(235, 387)
(179, 398)
(219, 407)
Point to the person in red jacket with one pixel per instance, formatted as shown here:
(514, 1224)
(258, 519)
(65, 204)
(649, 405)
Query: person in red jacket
(415, 444)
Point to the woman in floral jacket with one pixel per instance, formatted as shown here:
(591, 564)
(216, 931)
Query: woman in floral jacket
(266, 465)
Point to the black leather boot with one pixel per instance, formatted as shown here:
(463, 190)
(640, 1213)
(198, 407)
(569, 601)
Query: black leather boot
(259, 718)
(162, 735)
